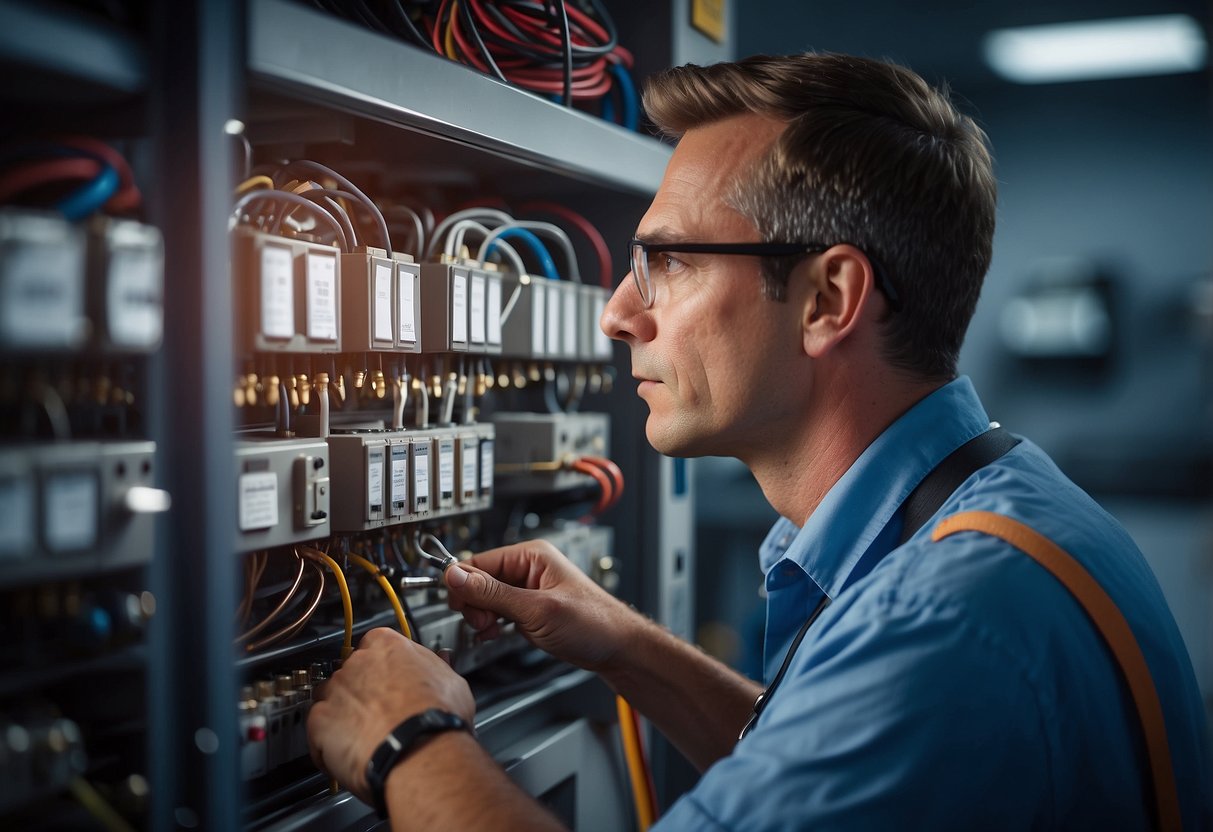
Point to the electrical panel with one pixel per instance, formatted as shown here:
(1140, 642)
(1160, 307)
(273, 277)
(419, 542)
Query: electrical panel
(259, 385)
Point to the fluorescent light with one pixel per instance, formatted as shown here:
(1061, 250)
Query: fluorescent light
(1122, 48)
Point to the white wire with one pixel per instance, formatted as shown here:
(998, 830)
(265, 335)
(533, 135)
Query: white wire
(423, 406)
(555, 232)
(400, 400)
(454, 243)
(324, 410)
(448, 401)
(466, 214)
(509, 304)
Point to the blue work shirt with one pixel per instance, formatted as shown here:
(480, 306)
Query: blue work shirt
(952, 685)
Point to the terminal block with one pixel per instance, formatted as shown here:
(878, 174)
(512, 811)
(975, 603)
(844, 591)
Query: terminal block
(126, 284)
(371, 300)
(462, 308)
(76, 507)
(594, 344)
(283, 492)
(533, 447)
(385, 477)
(408, 304)
(289, 293)
(42, 280)
(553, 320)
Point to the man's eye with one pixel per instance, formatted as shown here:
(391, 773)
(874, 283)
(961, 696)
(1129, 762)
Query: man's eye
(671, 265)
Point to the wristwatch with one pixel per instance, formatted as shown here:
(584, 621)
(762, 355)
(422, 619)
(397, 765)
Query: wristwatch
(400, 742)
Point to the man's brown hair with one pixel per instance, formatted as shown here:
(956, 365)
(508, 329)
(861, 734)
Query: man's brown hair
(873, 156)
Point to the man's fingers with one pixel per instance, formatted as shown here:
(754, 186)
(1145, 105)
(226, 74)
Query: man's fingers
(472, 589)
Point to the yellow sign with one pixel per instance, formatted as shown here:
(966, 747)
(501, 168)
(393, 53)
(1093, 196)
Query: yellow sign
(709, 17)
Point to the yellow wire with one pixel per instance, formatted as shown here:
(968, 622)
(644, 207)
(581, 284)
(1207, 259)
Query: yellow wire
(449, 42)
(635, 761)
(347, 603)
(401, 618)
(253, 183)
(95, 804)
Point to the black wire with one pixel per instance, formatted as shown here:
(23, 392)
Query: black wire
(568, 52)
(401, 16)
(469, 19)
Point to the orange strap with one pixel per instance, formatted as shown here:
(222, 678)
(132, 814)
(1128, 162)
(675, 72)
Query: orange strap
(1111, 624)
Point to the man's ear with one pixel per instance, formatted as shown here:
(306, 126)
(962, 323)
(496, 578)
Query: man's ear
(841, 281)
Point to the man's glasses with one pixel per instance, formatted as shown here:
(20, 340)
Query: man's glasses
(641, 255)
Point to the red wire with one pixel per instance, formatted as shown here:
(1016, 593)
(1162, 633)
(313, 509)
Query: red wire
(604, 483)
(19, 180)
(605, 268)
(470, 54)
(435, 33)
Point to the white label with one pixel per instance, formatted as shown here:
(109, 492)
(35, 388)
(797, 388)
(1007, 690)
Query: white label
(17, 509)
(486, 465)
(468, 483)
(446, 467)
(383, 302)
(495, 311)
(421, 476)
(404, 296)
(70, 511)
(258, 501)
(459, 308)
(321, 297)
(277, 293)
(400, 475)
(602, 342)
(539, 294)
(553, 340)
(478, 321)
(134, 297)
(374, 478)
(42, 295)
(569, 322)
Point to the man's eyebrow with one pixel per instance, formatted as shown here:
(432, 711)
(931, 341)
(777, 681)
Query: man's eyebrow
(664, 236)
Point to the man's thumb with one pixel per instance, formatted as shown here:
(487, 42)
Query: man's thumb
(481, 590)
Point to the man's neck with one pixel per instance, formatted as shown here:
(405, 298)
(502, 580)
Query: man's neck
(843, 420)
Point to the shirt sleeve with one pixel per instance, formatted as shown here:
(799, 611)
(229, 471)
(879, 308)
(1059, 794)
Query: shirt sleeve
(898, 715)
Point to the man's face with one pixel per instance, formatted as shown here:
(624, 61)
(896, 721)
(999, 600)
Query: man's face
(710, 355)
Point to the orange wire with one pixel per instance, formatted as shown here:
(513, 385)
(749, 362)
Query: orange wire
(644, 761)
(598, 474)
(613, 470)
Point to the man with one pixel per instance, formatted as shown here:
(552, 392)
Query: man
(950, 684)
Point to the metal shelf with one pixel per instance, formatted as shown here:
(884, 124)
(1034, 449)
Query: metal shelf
(331, 61)
(70, 48)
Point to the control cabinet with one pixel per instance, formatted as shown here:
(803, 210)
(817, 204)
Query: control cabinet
(246, 404)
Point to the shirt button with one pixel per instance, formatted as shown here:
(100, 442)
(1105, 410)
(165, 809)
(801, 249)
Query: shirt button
(785, 541)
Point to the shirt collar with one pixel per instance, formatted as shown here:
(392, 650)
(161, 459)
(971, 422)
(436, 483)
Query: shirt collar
(860, 505)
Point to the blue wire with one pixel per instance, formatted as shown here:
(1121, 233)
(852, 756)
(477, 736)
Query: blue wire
(546, 263)
(627, 90)
(608, 109)
(89, 197)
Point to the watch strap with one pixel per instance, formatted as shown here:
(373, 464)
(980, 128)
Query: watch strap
(402, 740)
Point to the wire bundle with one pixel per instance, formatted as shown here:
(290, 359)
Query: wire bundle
(75, 175)
(336, 210)
(556, 48)
(608, 476)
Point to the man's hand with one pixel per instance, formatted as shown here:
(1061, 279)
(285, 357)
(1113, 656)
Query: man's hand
(552, 602)
(385, 681)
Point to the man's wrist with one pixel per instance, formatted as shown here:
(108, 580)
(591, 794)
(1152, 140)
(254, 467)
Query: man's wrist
(401, 742)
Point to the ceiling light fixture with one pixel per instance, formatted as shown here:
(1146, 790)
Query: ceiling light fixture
(1121, 48)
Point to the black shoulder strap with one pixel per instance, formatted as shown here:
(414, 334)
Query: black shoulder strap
(947, 476)
(923, 502)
